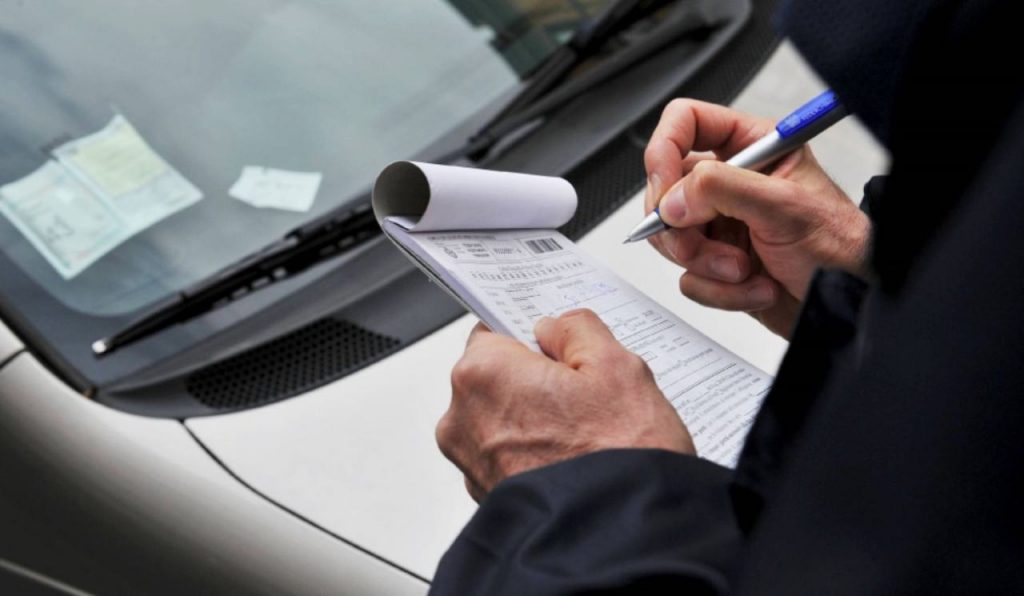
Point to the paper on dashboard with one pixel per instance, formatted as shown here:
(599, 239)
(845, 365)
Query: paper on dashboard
(99, 191)
(67, 223)
(118, 165)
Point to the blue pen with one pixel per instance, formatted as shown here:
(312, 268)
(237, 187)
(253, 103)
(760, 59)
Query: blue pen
(790, 133)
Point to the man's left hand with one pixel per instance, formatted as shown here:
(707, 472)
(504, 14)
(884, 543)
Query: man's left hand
(514, 410)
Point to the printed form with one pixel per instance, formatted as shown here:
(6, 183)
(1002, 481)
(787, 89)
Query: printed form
(522, 275)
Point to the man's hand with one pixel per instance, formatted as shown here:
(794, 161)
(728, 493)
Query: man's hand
(748, 241)
(514, 410)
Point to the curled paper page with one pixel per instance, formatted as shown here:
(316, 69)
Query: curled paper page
(440, 198)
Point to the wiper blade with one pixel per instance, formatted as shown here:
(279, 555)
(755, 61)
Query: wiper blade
(298, 250)
(545, 92)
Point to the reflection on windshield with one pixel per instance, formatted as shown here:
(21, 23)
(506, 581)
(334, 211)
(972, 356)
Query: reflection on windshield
(331, 89)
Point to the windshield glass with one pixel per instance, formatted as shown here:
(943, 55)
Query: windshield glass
(148, 144)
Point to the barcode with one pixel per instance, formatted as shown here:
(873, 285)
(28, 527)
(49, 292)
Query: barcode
(542, 245)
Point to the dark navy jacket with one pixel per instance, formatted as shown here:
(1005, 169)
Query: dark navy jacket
(889, 456)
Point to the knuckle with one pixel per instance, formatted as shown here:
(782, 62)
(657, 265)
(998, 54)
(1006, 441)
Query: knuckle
(572, 321)
(465, 374)
(676, 108)
(705, 177)
(583, 314)
(444, 434)
(555, 331)
(651, 154)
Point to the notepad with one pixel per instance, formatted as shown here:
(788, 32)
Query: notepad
(490, 239)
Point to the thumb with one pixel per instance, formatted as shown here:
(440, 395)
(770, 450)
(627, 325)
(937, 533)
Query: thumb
(716, 188)
(576, 338)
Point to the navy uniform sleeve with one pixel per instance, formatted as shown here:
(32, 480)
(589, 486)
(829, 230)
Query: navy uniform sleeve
(618, 521)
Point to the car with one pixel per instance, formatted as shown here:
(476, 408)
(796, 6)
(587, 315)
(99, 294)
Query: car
(209, 387)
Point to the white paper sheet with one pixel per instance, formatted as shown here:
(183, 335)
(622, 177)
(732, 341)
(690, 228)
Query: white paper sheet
(456, 198)
(278, 189)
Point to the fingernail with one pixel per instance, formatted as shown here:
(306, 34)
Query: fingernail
(762, 294)
(726, 268)
(673, 205)
(648, 195)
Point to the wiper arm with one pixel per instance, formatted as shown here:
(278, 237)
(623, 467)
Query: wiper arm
(543, 94)
(587, 40)
(297, 251)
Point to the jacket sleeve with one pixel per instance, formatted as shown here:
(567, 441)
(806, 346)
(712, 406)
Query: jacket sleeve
(618, 521)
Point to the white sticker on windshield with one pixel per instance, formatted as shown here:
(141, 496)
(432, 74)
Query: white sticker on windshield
(101, 190)
(277, 189)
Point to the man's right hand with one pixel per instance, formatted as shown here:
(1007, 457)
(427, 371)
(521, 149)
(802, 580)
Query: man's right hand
(749, 241)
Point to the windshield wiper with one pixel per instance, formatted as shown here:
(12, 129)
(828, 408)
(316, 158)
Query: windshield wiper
(547, 90)
(298, 250)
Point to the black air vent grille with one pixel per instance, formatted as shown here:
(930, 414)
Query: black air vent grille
(302, 360)
(609, 179)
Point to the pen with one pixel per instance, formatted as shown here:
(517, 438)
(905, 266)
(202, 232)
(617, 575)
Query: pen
(790, 133)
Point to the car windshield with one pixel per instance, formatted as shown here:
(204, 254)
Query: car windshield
(149, 144)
